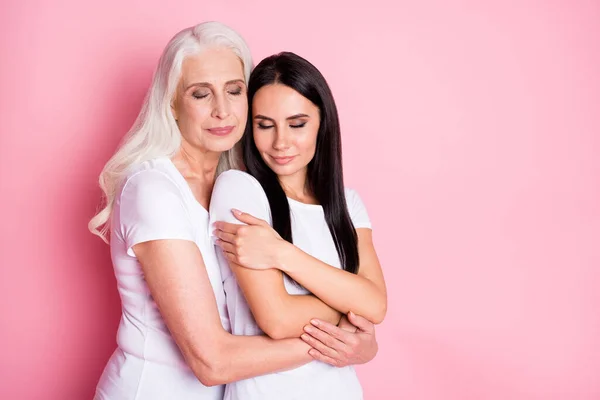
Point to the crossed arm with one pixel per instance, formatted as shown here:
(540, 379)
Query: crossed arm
(253, 251)
(176, 276)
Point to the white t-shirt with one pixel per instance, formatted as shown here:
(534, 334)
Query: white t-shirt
(155, 202)
(315, 380)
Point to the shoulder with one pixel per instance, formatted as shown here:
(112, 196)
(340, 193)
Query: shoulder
(236, 177)
(150, 180)
(351, 195)
(238, 182)
(150, 169)
(356, 209)
(240, 190)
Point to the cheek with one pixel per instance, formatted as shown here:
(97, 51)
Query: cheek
(307, 142)
(241, 110)
(261, 141)
(194, 111)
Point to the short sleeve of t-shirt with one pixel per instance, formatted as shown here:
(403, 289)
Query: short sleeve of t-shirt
(152, 208)
(239, 190)
(357, 210)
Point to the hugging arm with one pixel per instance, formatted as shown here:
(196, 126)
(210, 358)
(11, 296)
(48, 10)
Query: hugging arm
(179, 284)
(279, 314)
(156, 229)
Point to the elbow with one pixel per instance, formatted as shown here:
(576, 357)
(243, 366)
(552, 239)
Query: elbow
(210, 368)
(209, 373)
(379, 312)
(208, 376)
(276, 329)
(278, 333)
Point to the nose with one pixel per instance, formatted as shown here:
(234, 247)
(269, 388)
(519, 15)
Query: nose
(220, 107)
(282, 139)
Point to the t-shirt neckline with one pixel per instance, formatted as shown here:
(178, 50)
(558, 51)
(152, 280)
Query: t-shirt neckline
(184, 183)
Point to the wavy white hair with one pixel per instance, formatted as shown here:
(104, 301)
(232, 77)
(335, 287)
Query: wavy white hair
(155, 132)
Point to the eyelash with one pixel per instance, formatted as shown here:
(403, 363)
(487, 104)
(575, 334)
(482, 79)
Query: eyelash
(233, 93)
(261, 126)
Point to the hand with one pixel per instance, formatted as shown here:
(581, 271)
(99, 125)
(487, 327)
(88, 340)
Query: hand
(255, 245)
(342, 346)
(347, 325)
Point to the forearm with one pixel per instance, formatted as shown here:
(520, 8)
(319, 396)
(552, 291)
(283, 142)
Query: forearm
(341, 290)
(242, 357)
(289, 318)
(278, 313)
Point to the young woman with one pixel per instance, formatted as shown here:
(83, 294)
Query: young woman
(294, 193)
(173, 339)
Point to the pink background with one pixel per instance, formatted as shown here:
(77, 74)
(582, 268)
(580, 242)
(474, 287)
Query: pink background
(472, 132)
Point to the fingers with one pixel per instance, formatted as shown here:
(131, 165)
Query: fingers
(227, 247)
(347, 325)
(247, 218)
(225, 236)
(338, 333)
(227, 227)
(326, 359)
(362, 323)
(231, 257)
(325, 338)
(316, 344)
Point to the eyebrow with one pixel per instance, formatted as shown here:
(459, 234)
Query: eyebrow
(206, 84)
(295, 116)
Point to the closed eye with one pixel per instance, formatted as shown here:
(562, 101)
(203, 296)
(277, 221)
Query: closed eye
(300, 125)
(261, 126)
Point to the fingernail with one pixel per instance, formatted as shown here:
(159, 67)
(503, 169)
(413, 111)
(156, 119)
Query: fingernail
(312, 352)
(304, 336)
(352, 314)
(236, 212)
(308, 328)
(314, 322)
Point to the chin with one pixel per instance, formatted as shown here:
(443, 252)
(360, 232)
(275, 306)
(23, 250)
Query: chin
(223, 144)
(284, 170)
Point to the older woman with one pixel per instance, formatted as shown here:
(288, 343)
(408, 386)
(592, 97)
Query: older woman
(173, 339)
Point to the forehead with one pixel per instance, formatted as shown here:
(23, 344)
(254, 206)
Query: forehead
(281, 100)
(213, 65)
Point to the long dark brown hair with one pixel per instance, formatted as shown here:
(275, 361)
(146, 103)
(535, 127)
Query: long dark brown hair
(324, 175)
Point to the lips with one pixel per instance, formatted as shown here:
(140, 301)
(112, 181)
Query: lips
(283, 160)
(221, 131)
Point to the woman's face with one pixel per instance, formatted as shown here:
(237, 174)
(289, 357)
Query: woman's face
(210, 105)
(285, 127)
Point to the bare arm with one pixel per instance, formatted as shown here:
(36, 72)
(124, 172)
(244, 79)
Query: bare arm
(363, 293)
(258, 247)
(352, 342)
(179, 284)
(279, 314)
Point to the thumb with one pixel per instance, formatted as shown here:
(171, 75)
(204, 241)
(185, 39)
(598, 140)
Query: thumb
(246, 218)
(361, 323)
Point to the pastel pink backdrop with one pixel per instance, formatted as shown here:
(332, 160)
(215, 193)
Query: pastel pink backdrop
(471, 131)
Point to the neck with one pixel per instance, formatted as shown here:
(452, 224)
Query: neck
(296, 187)
(197, 163)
